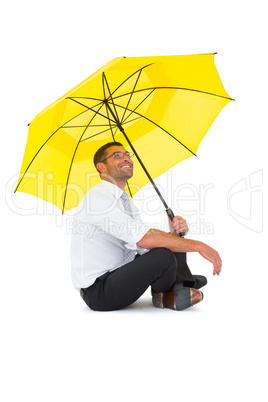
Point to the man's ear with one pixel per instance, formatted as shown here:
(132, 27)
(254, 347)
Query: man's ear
(101, 167)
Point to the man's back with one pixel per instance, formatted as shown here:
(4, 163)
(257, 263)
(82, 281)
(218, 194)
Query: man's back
(101, 231)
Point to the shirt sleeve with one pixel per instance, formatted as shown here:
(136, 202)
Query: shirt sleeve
(104, 213)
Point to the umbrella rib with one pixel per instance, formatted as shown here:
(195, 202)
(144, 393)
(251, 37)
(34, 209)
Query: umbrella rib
(94, 135)
(107, 111)
(71, 164)
(89, 108)
(103, 74)
(129, 189)
(181, 88)
(84, 97)
(34, 158)
(93, 125)
(130, 121)
(103, 86)
(161, 129)
(79, 114)
(147, 65)
(49, 139)
(131, 96)
(138, 106)
(106, 106)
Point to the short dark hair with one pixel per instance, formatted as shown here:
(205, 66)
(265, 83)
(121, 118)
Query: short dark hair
(101, 152)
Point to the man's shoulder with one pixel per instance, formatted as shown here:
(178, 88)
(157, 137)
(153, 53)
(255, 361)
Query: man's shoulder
(98, 188)
(97, 200)
(99, 192)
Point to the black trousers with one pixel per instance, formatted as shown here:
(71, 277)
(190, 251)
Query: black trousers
(159, 268)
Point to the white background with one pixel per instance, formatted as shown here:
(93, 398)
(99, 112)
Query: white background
(53, 347)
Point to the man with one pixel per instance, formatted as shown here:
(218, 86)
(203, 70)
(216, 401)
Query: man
(108, 236)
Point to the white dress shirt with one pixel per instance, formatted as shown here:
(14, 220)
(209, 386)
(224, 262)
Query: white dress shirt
(101, 231)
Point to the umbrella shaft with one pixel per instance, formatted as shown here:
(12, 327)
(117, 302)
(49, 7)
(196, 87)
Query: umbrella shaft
(137, 156)
(168, 210)
(145, 170)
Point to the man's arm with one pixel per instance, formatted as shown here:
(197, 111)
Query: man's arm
(157, 238)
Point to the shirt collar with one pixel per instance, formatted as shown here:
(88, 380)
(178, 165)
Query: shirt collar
(112, 188)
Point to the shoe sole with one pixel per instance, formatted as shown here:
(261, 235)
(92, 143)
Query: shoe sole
(178, 301)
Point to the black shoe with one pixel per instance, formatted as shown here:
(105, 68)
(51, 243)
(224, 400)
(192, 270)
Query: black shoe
(200, 281)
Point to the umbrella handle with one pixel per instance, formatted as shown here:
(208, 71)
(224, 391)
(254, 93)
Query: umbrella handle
(172, 216)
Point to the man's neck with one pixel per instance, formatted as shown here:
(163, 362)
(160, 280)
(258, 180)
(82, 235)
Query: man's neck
(118, 183)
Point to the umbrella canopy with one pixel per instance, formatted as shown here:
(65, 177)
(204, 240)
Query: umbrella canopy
(158, 107)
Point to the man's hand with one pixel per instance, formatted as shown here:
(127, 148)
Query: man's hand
(213, 256)
(178, 225)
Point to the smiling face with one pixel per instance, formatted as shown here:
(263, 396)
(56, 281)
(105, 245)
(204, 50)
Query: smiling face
(116, 170)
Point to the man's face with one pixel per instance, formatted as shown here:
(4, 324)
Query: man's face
(121, 168)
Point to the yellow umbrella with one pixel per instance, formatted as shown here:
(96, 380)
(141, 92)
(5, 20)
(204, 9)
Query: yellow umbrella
(158, 107)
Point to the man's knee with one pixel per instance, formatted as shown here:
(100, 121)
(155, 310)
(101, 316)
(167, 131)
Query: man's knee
(164, 255)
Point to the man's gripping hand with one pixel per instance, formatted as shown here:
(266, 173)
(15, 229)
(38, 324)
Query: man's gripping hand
(178, 225)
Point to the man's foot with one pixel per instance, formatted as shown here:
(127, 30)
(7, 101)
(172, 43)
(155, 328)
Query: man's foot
(178, 299)
(200, 281)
